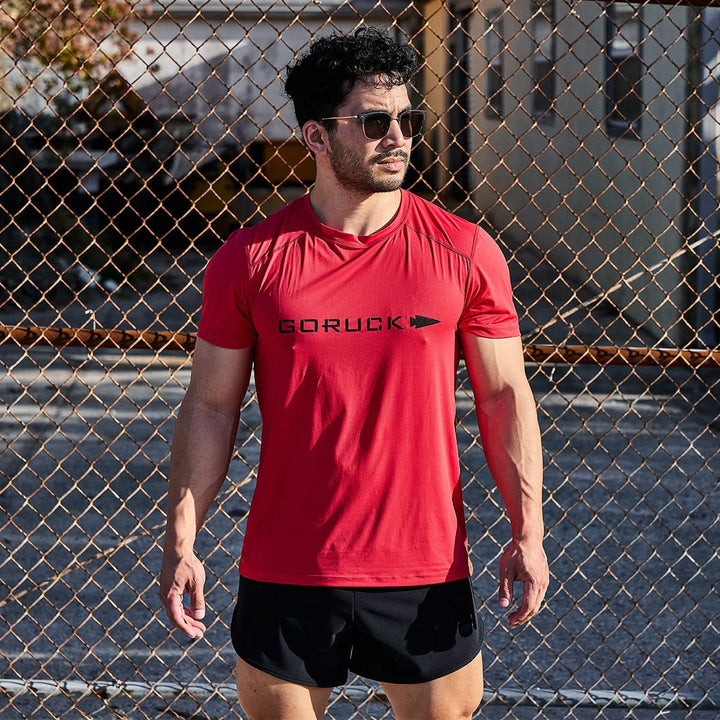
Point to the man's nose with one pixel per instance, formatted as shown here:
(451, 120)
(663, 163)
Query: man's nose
(394, 137)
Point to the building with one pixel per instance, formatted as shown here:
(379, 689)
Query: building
(589, 128)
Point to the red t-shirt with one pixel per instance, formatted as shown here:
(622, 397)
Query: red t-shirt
(355, 367)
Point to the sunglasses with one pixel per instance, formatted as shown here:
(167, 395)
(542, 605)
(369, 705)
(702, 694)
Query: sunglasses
(376, 123)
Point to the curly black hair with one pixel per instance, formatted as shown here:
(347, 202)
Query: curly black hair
(324, 75)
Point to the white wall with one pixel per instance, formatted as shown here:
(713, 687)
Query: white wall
(607, 206)
(224, 68)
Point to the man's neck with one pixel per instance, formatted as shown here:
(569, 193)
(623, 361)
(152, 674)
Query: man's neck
(353, 213)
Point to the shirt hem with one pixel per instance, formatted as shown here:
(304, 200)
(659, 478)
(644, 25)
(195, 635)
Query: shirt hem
(355, 580)
(224, 342)
(509, 332)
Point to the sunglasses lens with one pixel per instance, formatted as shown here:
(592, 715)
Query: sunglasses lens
(376, 125)
(411, 123)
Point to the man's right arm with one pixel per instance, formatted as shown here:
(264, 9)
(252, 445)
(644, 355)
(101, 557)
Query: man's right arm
(202, 446)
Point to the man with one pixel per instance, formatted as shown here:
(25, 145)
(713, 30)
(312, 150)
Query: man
(353, 303)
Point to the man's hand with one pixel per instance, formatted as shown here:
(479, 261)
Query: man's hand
(523, 562)
(179, 576)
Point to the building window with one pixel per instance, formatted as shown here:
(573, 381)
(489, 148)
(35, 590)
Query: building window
(543, 60)
(494, 56)
(624, 71)
(459, 81)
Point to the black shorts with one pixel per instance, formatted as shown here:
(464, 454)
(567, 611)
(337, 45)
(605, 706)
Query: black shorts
(315, 635)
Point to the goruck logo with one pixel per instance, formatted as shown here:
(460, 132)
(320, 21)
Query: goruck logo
(349, 325)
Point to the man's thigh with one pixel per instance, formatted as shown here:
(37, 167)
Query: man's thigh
(452, 697)
(266, 697)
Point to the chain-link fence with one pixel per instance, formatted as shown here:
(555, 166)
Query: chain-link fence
(583, 134)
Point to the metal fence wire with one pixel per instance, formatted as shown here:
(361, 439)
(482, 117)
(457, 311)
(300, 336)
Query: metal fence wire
(134, 138)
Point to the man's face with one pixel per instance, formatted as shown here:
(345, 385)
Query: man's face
(370, 166)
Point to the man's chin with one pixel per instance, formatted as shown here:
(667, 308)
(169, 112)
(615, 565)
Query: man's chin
(389, 184)
(374, 183)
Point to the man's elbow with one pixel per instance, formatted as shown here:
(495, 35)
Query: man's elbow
(509, 398)
(215, 409)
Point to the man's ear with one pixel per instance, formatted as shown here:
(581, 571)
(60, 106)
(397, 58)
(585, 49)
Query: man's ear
(314, 134)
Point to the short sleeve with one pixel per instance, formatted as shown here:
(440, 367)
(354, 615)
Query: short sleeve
(489, 309)
(225, 319)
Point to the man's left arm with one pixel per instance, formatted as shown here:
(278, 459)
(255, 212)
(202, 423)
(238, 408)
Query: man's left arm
(507, 420)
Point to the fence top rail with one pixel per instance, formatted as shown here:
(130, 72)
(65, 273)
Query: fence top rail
(116, 338)
(168, 340)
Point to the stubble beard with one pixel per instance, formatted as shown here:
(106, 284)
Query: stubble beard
(356, 173)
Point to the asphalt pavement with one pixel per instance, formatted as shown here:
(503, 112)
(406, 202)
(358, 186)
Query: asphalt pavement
(632, 507)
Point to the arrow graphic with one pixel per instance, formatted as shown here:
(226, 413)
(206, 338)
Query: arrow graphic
(421, 321)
